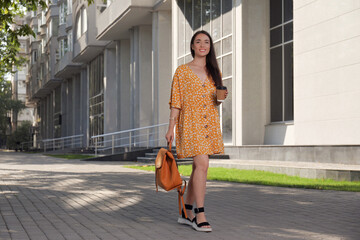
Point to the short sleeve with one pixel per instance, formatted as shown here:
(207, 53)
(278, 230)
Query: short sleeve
(175, 98)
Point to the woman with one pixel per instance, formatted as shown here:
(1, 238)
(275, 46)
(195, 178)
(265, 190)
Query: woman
(193, 110)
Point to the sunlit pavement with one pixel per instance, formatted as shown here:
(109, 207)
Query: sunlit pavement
(49, 198)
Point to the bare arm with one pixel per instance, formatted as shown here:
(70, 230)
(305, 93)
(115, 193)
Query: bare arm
(174, 114)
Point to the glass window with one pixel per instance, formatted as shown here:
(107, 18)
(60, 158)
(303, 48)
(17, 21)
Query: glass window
(197, 15)
(281, 60)
(78, 26)
(227, 45)
(181, 28)
(84, 20)
(275, 12)
(188, 25)
(227, 17)
(227, 113)
(96, 96)
(227, 66)
(276, 36)
(276, 83)
(215, 17)
(288, 82)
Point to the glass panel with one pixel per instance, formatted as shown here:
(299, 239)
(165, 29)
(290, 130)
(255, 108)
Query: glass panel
(227, 18)
(227, 45)
(206, 15)
(217, 48)
(288, 32)
(216, 19)
(227, 65)
(180, 61)
(197, 15)
(181, 25)
(219, 63)
(227, 113)
(188, 58)
(276, 84)
(275, 36)
(275, 12)
(188, 25)
(288, 82)
(288, 10)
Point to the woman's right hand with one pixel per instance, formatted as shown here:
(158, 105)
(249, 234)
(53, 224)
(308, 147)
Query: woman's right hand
(169, 136)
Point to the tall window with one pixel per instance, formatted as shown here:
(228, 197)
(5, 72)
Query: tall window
(96, 96)
(281, 60)
(81, 23)
(63, 11)
(57, 112)
(215, 17)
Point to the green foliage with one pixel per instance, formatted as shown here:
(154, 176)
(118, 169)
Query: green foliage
(22, 134)
(6, 105)
(266, 178)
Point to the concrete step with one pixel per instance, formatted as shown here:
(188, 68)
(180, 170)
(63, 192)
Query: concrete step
(151, 160)
(338, 172)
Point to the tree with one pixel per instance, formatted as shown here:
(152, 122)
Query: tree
(21, 134)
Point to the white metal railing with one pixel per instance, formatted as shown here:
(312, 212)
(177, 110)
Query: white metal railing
(63, 142)
(126, 140)
(31, 145)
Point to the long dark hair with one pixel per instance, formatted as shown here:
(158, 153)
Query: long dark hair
(211, 62)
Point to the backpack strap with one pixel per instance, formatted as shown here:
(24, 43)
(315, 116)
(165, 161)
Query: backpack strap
(181, 192)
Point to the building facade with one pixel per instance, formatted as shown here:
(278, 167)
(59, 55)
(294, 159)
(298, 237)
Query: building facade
(291, 67)
(18, 80)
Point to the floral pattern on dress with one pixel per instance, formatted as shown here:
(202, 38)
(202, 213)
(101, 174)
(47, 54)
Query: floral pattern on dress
(198, 126)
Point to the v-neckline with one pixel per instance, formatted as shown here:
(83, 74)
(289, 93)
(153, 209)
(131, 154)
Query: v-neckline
(202, 81)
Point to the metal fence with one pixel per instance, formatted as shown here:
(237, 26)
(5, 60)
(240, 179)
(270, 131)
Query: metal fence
(129, 140)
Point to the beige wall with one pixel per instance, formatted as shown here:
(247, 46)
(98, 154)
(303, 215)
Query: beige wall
(255, 70)
(327, 72)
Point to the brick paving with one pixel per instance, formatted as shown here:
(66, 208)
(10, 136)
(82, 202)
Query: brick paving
(49, 198)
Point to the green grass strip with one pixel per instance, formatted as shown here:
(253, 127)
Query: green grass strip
(267, 178)
(70, 156)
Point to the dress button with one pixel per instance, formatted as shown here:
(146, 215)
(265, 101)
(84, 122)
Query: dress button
(204, 95)
(204, 116)
(203, 85)
(206, 126)
(206, 136)
(204, 105)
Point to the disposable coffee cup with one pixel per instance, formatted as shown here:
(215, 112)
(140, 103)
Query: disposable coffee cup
(220, 93)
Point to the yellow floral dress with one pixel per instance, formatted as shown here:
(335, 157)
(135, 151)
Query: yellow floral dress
(198, 125)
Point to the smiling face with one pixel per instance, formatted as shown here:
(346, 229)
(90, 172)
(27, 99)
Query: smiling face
(201, 45)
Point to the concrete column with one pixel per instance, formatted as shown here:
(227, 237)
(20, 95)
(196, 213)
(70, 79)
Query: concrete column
(141, 75)
(84, 105)
(64, 109)
(162, 71)
(123, 79)
(110, 91)
(255, 70)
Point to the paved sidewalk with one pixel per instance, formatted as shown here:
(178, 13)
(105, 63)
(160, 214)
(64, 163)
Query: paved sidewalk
(49, 198)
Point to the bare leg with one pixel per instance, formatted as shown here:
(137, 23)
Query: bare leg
(197, 184)
(190, 198)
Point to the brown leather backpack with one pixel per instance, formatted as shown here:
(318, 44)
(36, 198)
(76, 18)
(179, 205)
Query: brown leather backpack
(167, 175)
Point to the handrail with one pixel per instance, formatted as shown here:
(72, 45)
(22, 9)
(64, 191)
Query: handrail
(63, 142)
(54, 139)
(129, 130)
(116, 140)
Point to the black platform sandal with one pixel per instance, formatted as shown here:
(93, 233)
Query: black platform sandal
(200, 226)
(182, 219)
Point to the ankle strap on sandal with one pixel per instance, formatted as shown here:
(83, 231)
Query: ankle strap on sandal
(199, 210)
(188, 206)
